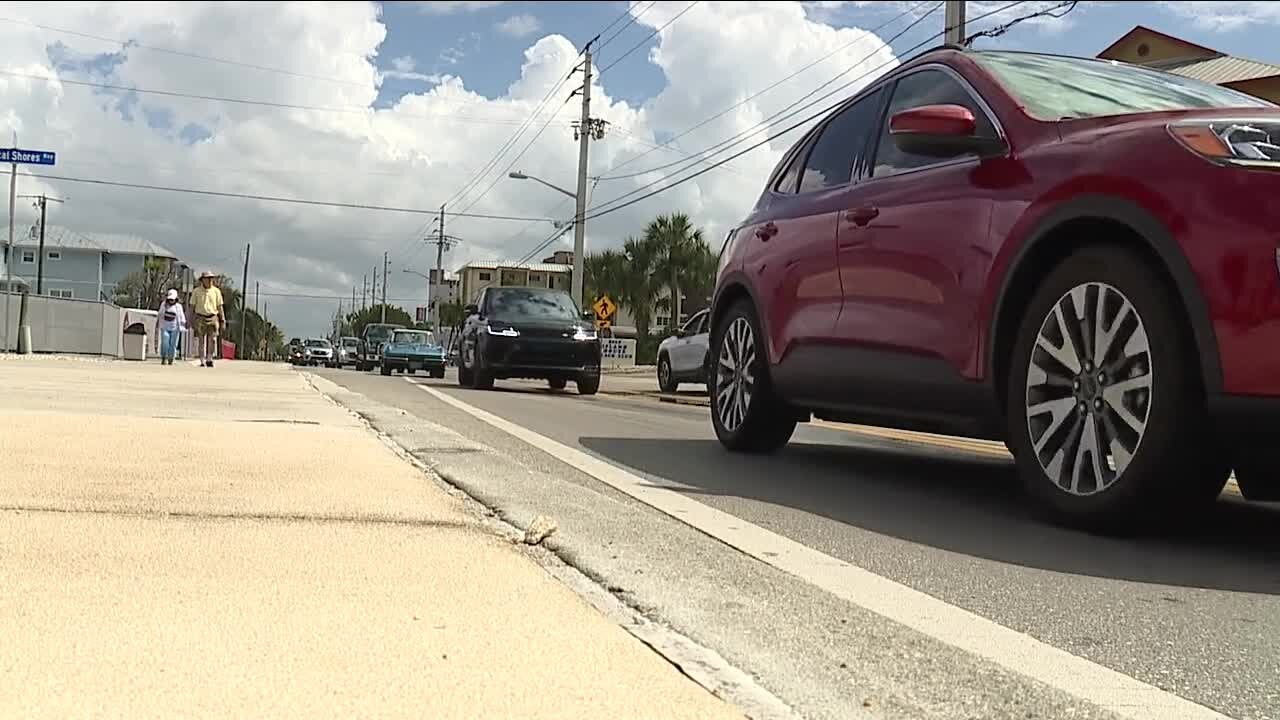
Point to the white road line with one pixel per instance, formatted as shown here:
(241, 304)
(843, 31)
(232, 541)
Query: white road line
(1015, 651)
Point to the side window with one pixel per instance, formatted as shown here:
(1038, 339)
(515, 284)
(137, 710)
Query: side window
(702, 323)
(840, 147)
(927, 87)
(787, 181)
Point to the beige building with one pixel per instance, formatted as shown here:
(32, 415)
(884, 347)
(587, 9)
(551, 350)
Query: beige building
(476, 276)
(1156, 50)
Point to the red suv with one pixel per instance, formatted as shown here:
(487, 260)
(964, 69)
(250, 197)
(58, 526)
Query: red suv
(1075, 256)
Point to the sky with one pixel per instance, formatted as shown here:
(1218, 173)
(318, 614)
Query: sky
(405, 106)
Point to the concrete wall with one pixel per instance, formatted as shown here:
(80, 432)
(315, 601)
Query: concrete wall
(81, 327)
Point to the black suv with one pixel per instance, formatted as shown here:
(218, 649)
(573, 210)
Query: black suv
(522, 332)
(371, 341)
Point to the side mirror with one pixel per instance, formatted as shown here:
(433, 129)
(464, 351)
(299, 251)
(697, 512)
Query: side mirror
(940, 131)
(589, 315)
(681, 333)
(471, 310)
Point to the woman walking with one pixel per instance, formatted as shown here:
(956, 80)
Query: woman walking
(171, 320)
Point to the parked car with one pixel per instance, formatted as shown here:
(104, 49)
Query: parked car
(317, 351)
(522, 332)
(1078, 257)
(411, 351)
(348, 351)
(685, 356)
(372, 338)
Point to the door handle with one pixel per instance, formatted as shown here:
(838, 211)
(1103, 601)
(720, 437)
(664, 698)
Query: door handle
(862, 216)
(767, 231)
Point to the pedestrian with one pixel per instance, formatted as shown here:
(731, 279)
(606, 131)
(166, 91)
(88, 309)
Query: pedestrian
(211, 320)
(171, 320)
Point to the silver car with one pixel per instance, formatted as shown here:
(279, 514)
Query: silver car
(348, 351)
(317, 351)
(684, 357)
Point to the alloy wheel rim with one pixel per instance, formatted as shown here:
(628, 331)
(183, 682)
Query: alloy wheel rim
(735, 381)
(1089, 389)
(664, 371)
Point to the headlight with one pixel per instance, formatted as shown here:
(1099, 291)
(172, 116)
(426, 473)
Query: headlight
(502, 331)
(1248, 143)
(585, 334)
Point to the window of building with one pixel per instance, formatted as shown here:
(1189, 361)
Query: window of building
(55, 255)
(28, 256)
(61, 293)
(486, 277)
(536, 278)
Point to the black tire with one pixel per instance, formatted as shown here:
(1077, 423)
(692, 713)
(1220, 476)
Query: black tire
(1176, 465)
(465, 378)
(557, 383)
(666, 381)
(768, 422)
(412, 371)
(589, 383)
(480, 379)
(386, 369)
(1256, 472)
(438, 374)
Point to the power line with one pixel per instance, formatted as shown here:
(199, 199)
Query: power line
(751, 97)
(999, 30)
(181, 53)
(271, 198)
(645, 41)
(789, 129)
(630, 22)
(342, 109)
(788, 111)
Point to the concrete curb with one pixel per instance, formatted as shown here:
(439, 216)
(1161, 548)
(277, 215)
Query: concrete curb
(458, 465)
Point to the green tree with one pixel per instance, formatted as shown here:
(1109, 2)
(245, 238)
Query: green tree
(356, 321)
(146, 288)
(676, 244)
(451, 314)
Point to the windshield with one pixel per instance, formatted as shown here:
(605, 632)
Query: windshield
(1057, 88)
(317, 343)
(380, 332)
(516, 304)
(350, 342)
(414, 337)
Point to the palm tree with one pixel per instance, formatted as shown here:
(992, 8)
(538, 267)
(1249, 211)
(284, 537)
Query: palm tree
(675, 242)
(640, 282)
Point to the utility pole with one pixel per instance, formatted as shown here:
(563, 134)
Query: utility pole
(364, 292)
(435, 306)
(373, 293)
(954, 22)
(386, 265)
(257, 295)
(584, 142)
(8, 258)
(244, 305)
(42, 202)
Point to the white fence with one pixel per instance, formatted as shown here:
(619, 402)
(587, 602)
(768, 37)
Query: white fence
(65, 325)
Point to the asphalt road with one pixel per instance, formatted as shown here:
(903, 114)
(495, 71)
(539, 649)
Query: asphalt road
(1195, 613)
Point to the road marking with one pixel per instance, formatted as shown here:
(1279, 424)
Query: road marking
(1018, 652)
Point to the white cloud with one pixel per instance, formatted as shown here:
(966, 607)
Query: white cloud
(416, 154)
(519, 25)
(1226, 16)
(404, 68)
(447, 7)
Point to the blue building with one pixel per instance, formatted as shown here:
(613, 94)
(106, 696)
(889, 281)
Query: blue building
(80, 265)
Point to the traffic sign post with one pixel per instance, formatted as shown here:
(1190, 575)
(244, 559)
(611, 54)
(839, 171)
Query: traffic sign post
(15, 156)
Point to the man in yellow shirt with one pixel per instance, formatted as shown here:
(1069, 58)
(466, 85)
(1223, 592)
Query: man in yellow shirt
(210, 319)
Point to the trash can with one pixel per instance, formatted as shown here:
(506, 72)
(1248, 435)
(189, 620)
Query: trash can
(135, 342)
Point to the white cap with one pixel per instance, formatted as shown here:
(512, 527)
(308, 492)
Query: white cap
(172, 295)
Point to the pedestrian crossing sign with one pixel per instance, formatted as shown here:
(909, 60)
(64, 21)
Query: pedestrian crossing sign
(604, 308)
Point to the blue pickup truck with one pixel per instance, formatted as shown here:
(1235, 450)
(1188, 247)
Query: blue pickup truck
(411, 351)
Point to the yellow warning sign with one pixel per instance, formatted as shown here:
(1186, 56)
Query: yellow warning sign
(604, 308)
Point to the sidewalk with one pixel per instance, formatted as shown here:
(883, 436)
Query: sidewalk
(272, 558)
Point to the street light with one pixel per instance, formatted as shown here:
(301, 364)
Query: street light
(428, 279)
(517, 175)
(579, 229)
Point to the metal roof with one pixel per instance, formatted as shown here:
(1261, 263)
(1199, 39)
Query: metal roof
(58, 236)
(498, 265)
(1219, 70)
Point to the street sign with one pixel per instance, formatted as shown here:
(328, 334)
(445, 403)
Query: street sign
(604, 308)
(27, 157)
